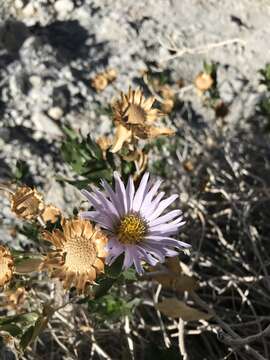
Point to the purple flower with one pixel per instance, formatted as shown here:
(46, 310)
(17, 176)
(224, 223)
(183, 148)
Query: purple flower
(134, 221)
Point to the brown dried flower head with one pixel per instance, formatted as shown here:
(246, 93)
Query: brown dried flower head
(134, 118)
(203, 81)
(103, 79)
(99, 82)
(6, 265)
(26, 203)
(79, 253)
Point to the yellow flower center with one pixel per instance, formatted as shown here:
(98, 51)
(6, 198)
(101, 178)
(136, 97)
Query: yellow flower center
(132, 229)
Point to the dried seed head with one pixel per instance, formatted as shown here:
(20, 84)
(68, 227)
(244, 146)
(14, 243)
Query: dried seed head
(133, 117)
(99, 82)
(6, 265)
(26, 203)
(79, 253)
(102, 80)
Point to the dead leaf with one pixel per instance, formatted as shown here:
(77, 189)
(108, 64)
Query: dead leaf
(175, 308)
(178, 278)
(179, 283)
(26, 266)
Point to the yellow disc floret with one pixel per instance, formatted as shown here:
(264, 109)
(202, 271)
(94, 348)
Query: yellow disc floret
(132, 229)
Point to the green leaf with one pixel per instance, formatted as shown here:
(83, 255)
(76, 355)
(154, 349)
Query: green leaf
(129, 274)
(115, 269)
(12, 329)
(21, 170)
(72, 134)
(111, 307)
(22, 319)
(103, 287)
(36, 329)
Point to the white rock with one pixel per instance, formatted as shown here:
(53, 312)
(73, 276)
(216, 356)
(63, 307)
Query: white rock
(29, 10)
(35, 81)
(18, 4)
(55, 112)
(46, 125)
(63, 7)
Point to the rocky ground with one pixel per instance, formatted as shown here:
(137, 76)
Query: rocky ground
(49, 51)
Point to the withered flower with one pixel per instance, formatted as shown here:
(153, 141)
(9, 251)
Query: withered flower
(26, 203)
(203, 81)
(99, 82)
(134, 118)
(79, 253)
(6, 265)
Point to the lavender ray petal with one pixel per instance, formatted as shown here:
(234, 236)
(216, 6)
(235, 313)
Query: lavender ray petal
(140, 193)
(167, 217)
(130, 191)
(128, 260)
(148, 199)
(113, 197)
(162, 206)
(152, 207)
(147, 256)
(120, 191)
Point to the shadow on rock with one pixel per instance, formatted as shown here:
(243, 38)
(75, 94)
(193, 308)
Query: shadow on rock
(69, 39)
(25, 136)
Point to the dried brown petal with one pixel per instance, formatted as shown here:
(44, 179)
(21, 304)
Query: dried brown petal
(50, 214)
(122, 135)
(104, 142)
(154, 132)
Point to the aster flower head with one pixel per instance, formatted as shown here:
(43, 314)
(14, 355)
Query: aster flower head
(79, 253)
(134, 221)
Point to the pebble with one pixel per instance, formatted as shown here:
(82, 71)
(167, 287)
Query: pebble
(63, 7)
(55, 112)
(46, 125)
